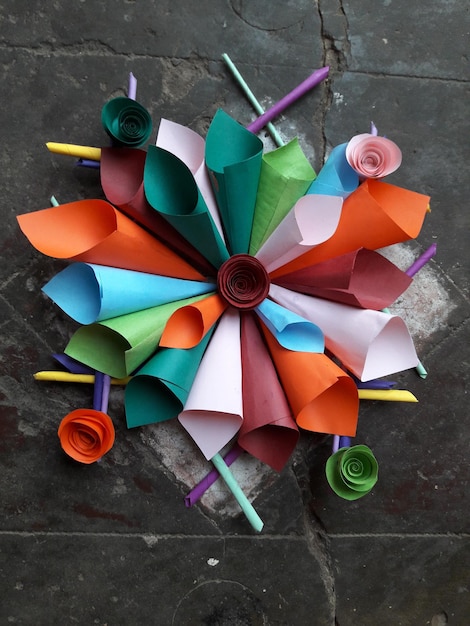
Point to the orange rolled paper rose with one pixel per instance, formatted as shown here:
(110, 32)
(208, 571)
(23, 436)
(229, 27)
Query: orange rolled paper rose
(373, 157)
(86, 435)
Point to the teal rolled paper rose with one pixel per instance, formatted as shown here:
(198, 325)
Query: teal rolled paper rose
(127, 122)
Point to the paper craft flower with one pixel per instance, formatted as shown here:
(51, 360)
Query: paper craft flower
(373, 157)
(86, 435)
(352, 472)
(127, 122)
(217, 276)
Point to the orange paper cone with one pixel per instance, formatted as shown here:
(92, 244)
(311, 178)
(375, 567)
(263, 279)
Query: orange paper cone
(95, 232)
(376, 215)
(323, 398)
(189, 324)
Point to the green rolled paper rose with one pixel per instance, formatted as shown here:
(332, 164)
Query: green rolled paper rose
(352, 472)
(127, 122)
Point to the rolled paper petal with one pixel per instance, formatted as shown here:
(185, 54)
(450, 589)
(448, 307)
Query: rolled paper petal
(200, 489)
(246, 506)
(376, 215)
(127, 122)
(86, 435)
(213, 412)
(268, 432)
(373, 157)
(243, 282)
(322, 397)
(362, 278)
(233, 158)
(91, 293)
(189, 325)
(336, 177)
(369, 343)
(93, 231)
(352, 472)
(285, 176)
(290, 330)
(188, 146)
(310, 222)
(159, 390)
(122, 179)
(120, 345)
(171, 190)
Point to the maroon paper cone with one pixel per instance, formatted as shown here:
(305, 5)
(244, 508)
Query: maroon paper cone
(122, 175)
(362, 278)
(268, 431)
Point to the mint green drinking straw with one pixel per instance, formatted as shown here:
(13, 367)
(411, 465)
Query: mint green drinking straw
(252, 98)
(245, 504)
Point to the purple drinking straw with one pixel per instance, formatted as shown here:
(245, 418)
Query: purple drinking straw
(375, 384)
(335, 443)
(98, 391)
(199, 490)
(344, 442)
(132, 90)
(88, 163)
(422, 260)
(295, 94)
(373, 129)
(105, 393)
(73, 366)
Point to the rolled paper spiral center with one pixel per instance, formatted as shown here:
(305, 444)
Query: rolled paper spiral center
(243, 281)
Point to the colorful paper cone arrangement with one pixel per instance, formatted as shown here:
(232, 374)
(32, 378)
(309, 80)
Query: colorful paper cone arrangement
(216, 275)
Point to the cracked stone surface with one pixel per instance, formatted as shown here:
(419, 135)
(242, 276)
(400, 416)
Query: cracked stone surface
(113, 543)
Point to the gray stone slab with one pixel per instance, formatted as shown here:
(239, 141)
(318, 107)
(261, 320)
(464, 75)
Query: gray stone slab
(401, 581)
(111, 579)
(408, 38)
(274, 34)
(421, 449)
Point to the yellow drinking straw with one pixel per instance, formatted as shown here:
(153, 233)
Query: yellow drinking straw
(70, 149)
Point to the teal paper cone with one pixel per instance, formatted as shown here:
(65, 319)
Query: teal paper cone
(171, 190)
(92, 293)
(160, 388)
(352, 472)
(127, 122)
(233, 158)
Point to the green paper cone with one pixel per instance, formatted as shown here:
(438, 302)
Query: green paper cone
(127, 122)
(352, 472)
(120, 345)
(160, 388)
(286, 175)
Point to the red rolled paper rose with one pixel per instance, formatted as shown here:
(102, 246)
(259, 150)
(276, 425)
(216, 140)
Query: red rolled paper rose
(373, 157)
(86, 435)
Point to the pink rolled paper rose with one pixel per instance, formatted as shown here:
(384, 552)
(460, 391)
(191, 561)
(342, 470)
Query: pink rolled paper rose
(373, 157)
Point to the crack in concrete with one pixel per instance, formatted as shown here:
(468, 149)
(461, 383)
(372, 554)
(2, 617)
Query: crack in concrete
(316, 536)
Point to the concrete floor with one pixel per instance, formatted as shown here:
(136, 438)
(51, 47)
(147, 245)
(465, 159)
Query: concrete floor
(113, 543)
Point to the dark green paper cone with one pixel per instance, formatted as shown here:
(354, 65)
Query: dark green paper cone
(160, 388)
(352, 472)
